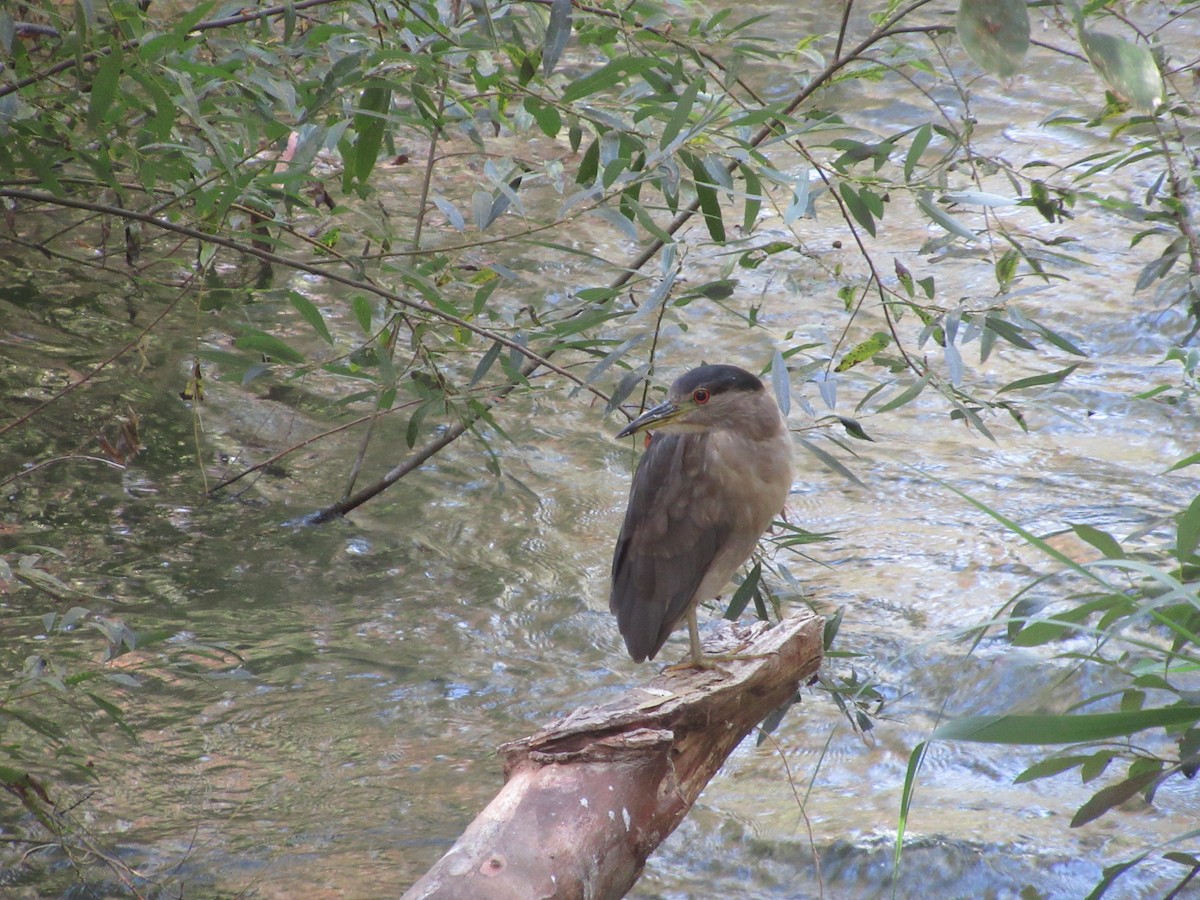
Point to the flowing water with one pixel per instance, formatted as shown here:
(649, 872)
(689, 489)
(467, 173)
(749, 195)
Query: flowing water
(327, 722)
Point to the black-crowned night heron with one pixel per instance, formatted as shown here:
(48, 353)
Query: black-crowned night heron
(717, 469)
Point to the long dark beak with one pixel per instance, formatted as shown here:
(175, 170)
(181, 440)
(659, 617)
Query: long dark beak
(664, 412)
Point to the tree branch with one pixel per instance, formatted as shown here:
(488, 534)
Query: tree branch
(590, 797)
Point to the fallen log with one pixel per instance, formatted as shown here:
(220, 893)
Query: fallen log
(588, 799)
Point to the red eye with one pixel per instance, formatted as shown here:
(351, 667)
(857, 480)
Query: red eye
(700, 395)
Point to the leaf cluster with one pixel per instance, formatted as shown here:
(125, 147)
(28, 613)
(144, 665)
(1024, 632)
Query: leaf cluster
(58, 709)
(1131, 612)
(277, 135)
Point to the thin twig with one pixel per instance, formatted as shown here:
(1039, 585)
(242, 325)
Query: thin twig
(812, 841)
(276, 259)
(415, 246)
(288, 451)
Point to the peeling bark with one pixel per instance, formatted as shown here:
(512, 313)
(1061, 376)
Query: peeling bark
(589, 798)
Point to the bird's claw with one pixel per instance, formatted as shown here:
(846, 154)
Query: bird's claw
(712, 663)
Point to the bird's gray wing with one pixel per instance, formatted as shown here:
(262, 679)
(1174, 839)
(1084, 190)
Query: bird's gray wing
(673, 529)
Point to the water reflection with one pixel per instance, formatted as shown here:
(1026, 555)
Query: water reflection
(380, 660)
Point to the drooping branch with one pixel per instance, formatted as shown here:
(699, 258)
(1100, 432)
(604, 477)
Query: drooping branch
(393, 297)
(533, 360)
(590, 797)
(241, 18)
(419, 456)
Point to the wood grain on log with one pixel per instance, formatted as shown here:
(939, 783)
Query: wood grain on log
(588, 799)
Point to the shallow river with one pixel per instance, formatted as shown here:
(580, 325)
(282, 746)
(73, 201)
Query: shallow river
(328, 722)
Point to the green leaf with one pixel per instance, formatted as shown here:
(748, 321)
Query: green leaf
(370, 123)
(1101, 540)
(1112, 873)
(268, 345)
(1114, 795)
(547, 117)
(643, 217)
(1037, 380)
(1096, 765)
(1185, 462)
(1064, 729)
(909, 394)
(1156, 269)
(741, 597)
(754, 198)
(717, 290)
(10, 777)
(610, 359)
(311, 315)
(35, 723)
(1006, 269)
(915, 759)
(483, 19)
(925, 202)
(72, 617)
(104, 87)
(711, 207)
(904, 277)
(919, 142)
(485, 363)
(683, 109)
(589, 164)
(361, 307)
(831, 462)
(1184, 859)
(558, 32)
(995, 33)
(413, 431)
(607, 76)
(191, 16)
(1058, 340)
(1127, 68)
(1042, 631)
(857, 206)
(781, 382)
(775, 718)
(706, 194)
(854, 429)
(1187, 534)
(864, 351)
(1047, 767)
(479, 303)
(113, 712)
(1008, 331)
(163, 119)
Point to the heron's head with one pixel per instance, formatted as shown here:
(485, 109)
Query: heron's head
(711, 398)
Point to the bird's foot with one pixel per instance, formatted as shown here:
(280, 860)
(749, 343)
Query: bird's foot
(712, 662)
(701, 663)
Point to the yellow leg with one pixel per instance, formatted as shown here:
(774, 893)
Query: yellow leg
(698, 659)
(694, 636)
